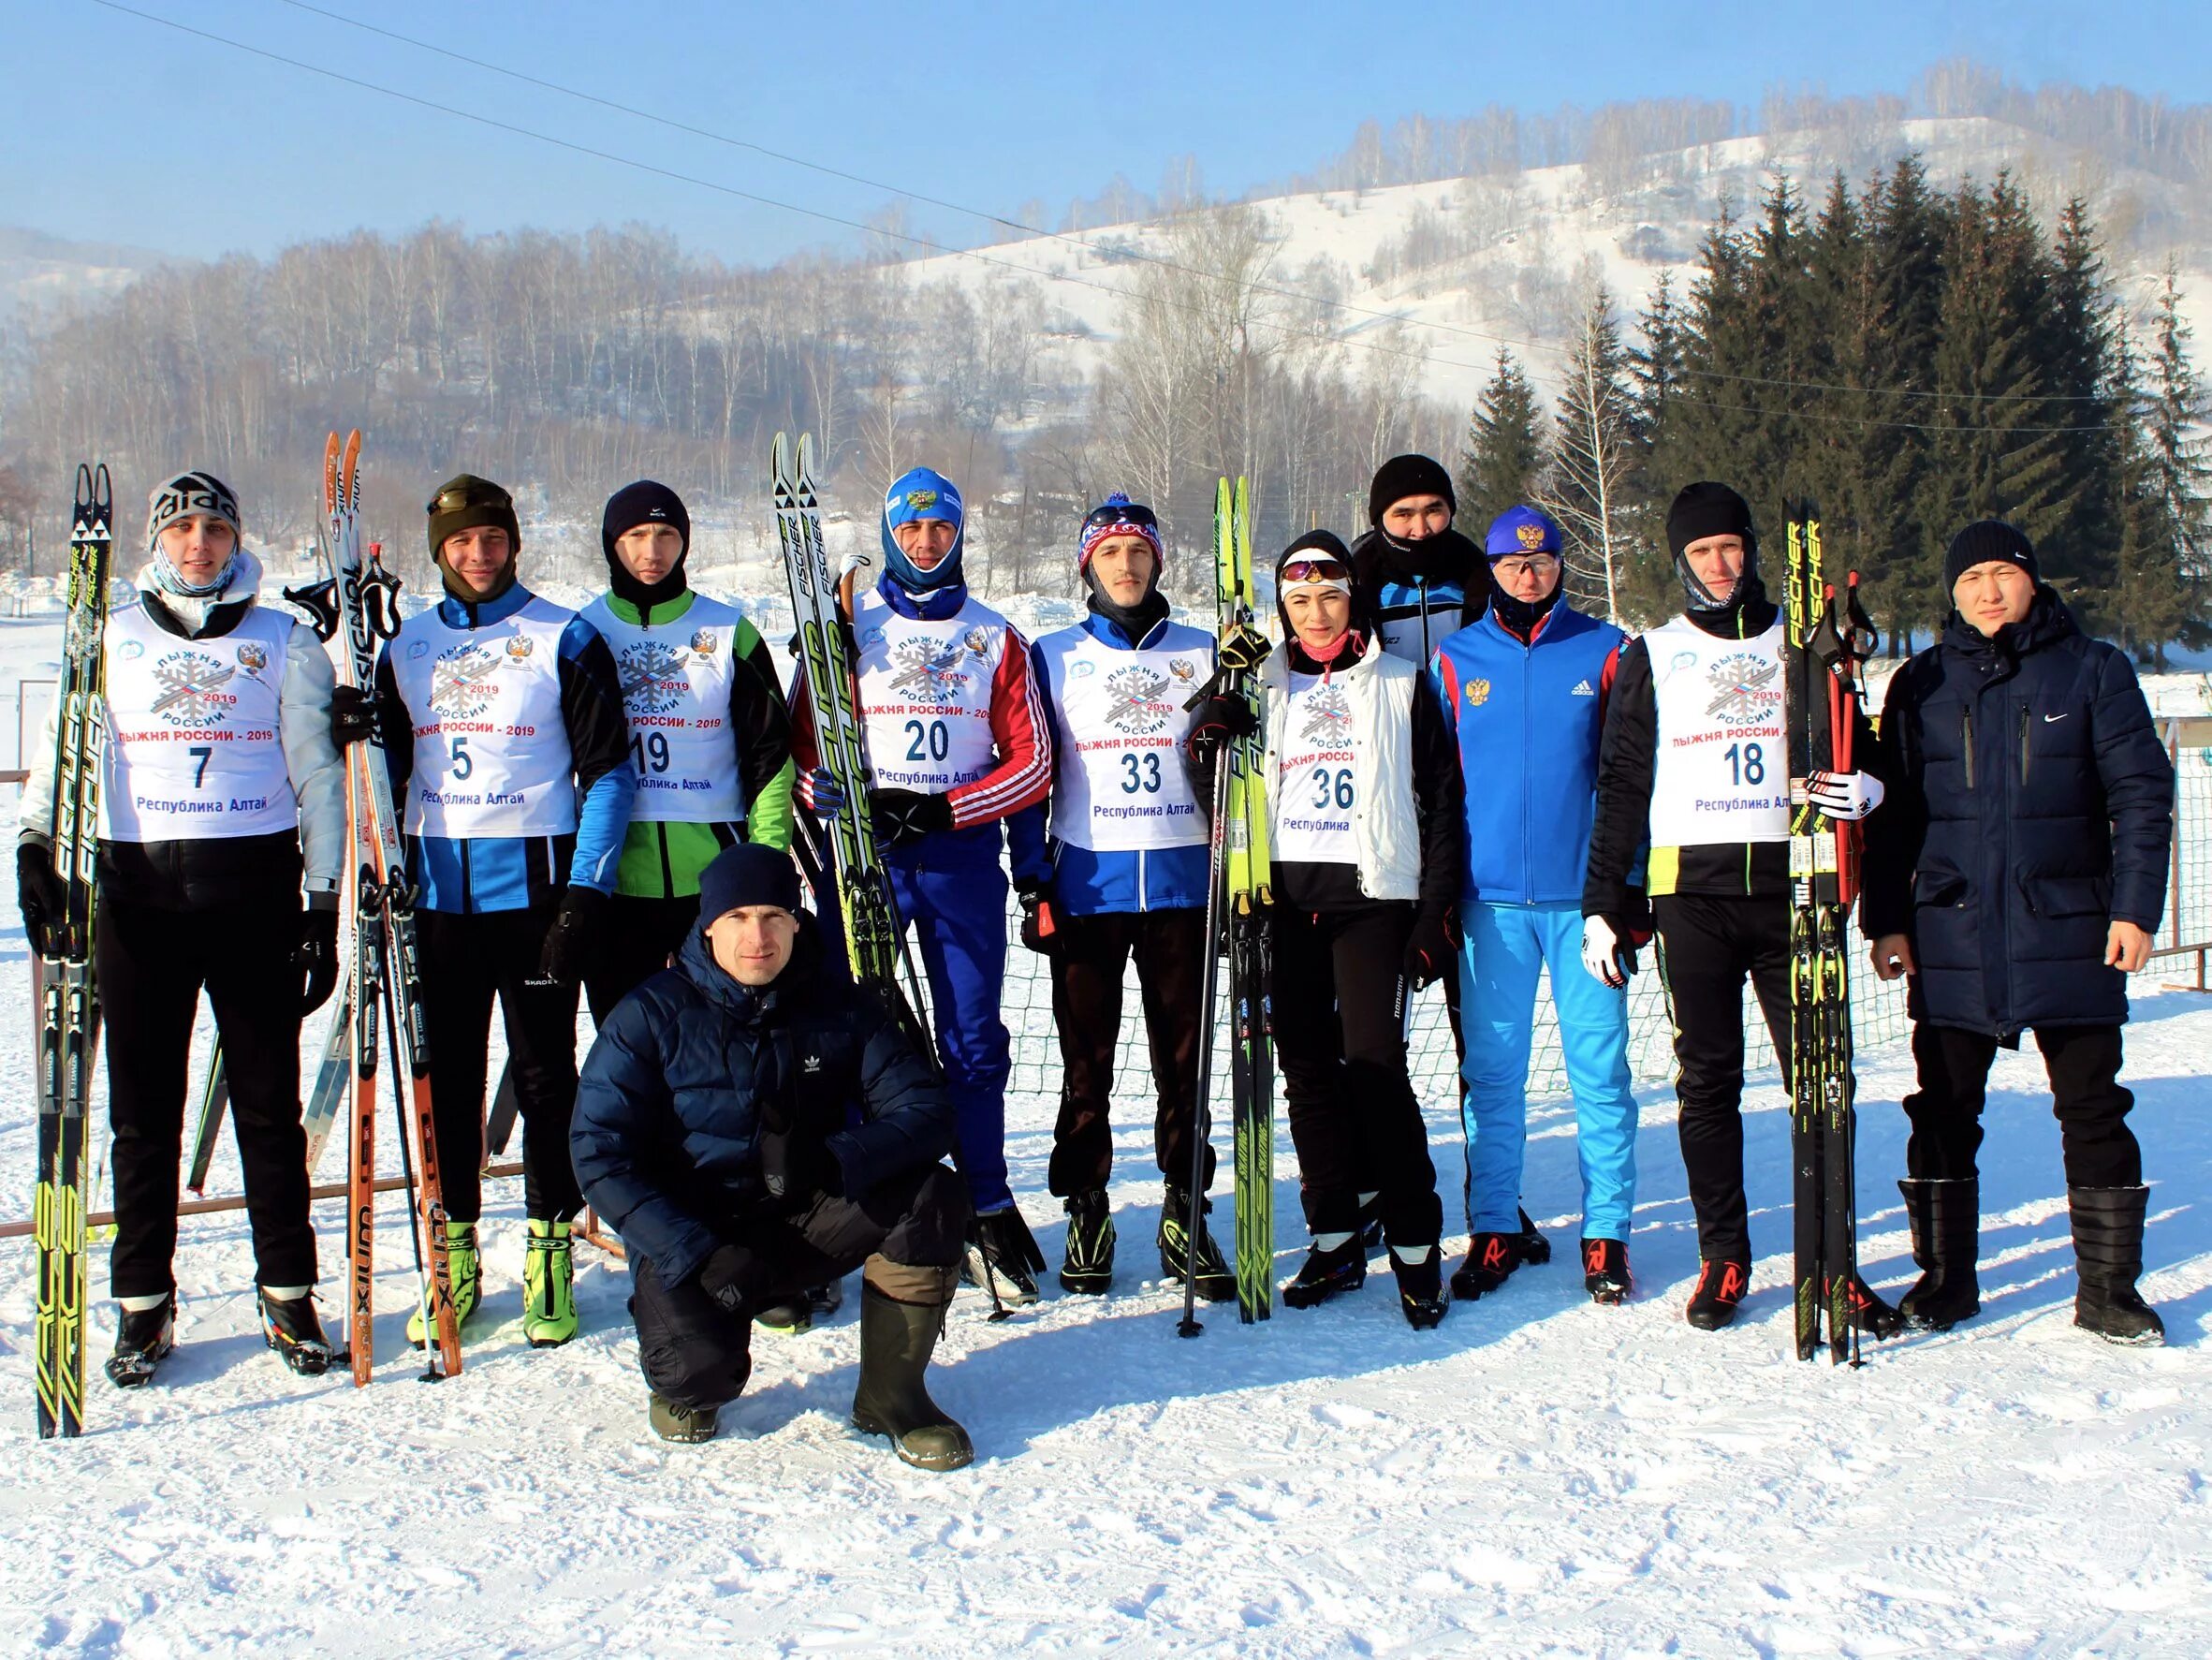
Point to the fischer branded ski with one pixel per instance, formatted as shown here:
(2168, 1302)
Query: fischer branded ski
(69, 1030)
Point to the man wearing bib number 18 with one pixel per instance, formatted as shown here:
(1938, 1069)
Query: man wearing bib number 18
(1694, 755)
(958, 740)
(1123, 873)
(518, 786)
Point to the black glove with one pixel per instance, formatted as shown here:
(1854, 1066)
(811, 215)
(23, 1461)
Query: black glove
(316, 955)
(728, 1275)
(572, 941)
(1431, 950)
(40, 893)
(1222, 720)
(1040, 922)
(353, 716)
(902, 815)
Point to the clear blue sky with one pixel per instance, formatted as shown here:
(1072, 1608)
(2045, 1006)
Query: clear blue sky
(118, 129)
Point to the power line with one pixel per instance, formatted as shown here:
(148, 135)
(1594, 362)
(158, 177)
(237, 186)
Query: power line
(734, 191)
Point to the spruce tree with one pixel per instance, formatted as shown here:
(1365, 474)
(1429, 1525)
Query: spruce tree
(1506, 457)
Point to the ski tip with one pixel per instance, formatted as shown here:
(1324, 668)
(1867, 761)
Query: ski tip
(806, 455)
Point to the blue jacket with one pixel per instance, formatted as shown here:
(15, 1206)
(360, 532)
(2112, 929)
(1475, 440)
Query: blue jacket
(513, 873)
(2029, 806)
(1528, 717)
(701, 1096)
(1085, 883)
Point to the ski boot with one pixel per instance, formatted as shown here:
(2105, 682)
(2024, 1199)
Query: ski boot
(289, 1326)
(549, 1285)
(790, 1316)
(464, 1272)
(1420, 1287)
(2108, 1257)
(1491, 1258)
(1605, 1271)
(1946, 1220)
(896, 1340)
(1216, 1284)
(1329, 1271)
(144, 1339)
(1869, 1313)
(687, 1426)
(1088, 1268)
(1720, 1286)
(1370, 1226)
(1531, 1245)
(1002, 1258)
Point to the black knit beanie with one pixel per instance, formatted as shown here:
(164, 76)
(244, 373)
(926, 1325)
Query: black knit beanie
(645, 502)
(1408, 475)
(1988, 541)
(1708, 509)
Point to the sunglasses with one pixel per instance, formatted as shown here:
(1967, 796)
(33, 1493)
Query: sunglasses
(453, 501)
(1314, 570)
(1123, 513)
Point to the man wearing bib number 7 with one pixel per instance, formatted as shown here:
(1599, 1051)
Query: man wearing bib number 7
(1694, 755)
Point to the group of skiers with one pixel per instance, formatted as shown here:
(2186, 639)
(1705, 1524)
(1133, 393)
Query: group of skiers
(1467, 781)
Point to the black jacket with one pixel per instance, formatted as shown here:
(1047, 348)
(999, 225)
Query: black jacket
(704, 1102)
(1442, 583)
(2029, 806)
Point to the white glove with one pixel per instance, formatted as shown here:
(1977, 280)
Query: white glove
(1846, 796)
(1601, 952)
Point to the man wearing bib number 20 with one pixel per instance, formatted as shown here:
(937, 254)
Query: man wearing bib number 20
(1695, 755)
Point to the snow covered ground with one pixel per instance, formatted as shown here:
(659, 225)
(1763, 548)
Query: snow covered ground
(1537, 1477)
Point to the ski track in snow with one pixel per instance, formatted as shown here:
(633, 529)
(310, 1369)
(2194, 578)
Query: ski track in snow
(1537, 1477)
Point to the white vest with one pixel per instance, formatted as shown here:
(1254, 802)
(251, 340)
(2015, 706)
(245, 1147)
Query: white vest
(925, 693)
(491, 755)
(1723, 769)
(1374, 745)
(1121, 785)
(675, 691)
(195, 750)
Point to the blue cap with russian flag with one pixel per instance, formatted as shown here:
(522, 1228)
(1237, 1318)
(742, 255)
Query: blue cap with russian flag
(1522, 530)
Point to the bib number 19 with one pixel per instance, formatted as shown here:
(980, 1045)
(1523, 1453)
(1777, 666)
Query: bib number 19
(650, 752)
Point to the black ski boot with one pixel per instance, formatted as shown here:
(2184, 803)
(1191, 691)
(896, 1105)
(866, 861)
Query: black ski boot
(1003, 1256)
(687, 1426)
(1946, 1221)
(1531, 1246)
(791, 1316)
(1370, 1227)
(1869, 1313)
(1721, 1286)
(1491, 1258)
(1216, 1284)
(289, 1326)
(1605, 1271)
(1420, 1288)
(1087, 1269)
(1326, 1272)
(144, 1339)
(896, 1339)
(2108, 1259)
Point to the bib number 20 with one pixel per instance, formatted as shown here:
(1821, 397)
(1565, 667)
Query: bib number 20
(929, 740)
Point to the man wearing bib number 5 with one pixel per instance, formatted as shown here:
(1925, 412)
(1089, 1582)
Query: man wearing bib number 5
(518, 786)
(1695, 756)
(958, 740)
(1123, 873)
(1363, 784)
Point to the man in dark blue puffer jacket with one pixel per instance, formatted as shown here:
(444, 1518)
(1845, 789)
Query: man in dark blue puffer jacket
(2017, 875)
(752, 1125)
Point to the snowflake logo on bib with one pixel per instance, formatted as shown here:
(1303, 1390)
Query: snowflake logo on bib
(461, 681)
(1743, 687)
(1328, 718)
(653, 677)
(928, 669)
(192, 691)
(1137, 707)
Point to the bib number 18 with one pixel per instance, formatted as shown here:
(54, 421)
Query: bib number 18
(1747, 763)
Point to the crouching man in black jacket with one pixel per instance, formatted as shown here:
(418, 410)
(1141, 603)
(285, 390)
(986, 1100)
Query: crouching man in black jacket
(752, 1124)
(2016, 876)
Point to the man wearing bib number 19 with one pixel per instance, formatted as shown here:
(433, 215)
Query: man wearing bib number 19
(1363, 784)
(958, 740)
(1695, 756)
(517, 787)
(1123, 873)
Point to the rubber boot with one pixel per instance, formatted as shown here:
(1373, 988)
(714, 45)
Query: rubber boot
(2108, 1257)
(896, 1341)
(463, 1271)
(549, 1285)
(795, 1316)
(1088, 1266)
(1946, 1217)
(687, 1426)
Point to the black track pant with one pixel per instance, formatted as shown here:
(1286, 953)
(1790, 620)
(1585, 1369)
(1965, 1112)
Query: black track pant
(1339, 1001)
(641, 935)
(467, 959)
(2082, 1064)
(150, 967)
(1171, 951)
(698, 1354)
(1707, 947)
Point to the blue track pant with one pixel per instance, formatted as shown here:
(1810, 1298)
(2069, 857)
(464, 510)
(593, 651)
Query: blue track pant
(951, 890)
(1502, 946)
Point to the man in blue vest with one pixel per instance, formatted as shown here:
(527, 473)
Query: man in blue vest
(1523, 690)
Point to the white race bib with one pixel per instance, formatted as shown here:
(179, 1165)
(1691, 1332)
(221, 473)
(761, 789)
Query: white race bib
(1721, 772)
(925, 693)
(1122, 783)
(1316, 785)
(675, 691)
